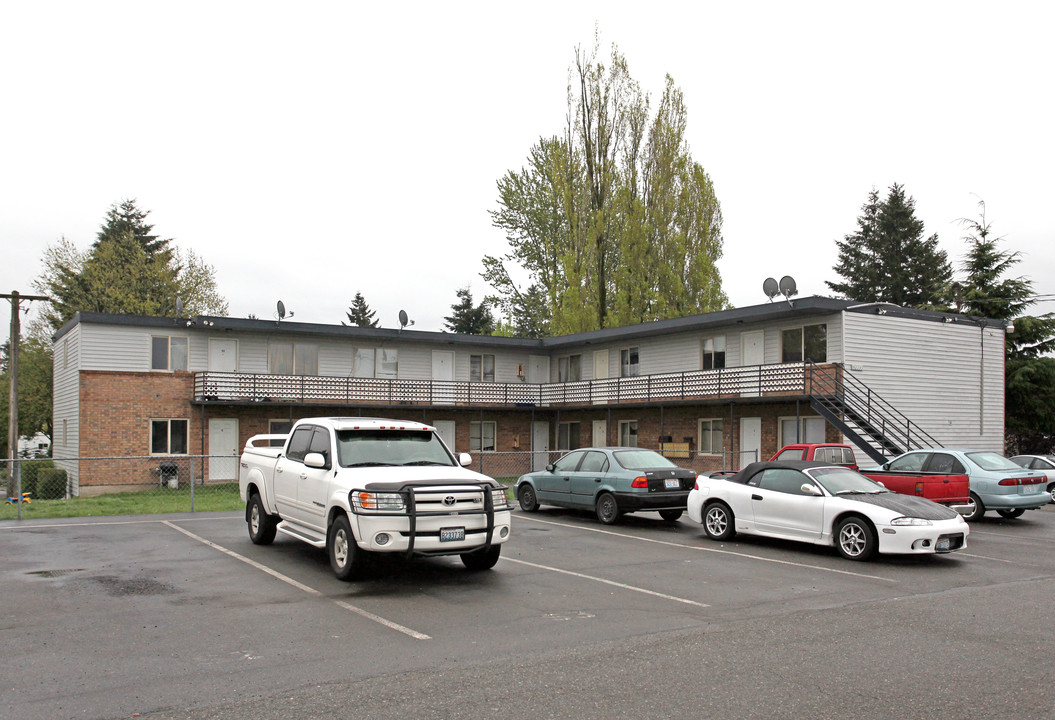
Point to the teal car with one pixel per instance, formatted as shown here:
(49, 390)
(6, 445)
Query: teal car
(610, 481)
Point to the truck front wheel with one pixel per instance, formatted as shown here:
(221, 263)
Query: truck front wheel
(261, 524)
(482, 559)
(346, 558)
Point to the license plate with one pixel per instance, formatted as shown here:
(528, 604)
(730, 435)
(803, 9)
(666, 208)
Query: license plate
(672, 484)
(1030, 489)
(452, 534)
(942, 545)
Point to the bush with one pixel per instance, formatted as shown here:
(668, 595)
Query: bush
(31, 473)
(51, 484)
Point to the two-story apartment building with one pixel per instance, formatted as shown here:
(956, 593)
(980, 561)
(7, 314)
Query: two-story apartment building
(715, 390)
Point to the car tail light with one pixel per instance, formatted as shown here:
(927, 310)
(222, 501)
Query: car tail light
(696, 485)
(640, 482)
(1021, 481)
(919, 489)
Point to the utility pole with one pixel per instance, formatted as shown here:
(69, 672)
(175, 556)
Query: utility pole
(14, 483)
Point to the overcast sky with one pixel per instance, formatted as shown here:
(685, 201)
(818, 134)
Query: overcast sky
(310, 150)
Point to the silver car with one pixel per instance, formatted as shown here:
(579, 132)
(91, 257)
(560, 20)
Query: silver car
(1040, 463)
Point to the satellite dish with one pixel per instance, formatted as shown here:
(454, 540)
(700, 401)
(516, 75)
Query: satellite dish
(281, 310)
(770, 288)
(788, 287)
(403, 319)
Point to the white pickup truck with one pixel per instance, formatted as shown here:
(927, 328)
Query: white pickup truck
(362, 485)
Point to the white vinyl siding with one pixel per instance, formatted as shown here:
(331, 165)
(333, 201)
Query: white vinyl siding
(65, 441)
(931, 372)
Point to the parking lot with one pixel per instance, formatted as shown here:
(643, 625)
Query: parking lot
(181, 616)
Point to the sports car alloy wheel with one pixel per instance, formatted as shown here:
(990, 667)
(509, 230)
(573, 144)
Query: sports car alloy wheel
(718, 521)
(855, 539)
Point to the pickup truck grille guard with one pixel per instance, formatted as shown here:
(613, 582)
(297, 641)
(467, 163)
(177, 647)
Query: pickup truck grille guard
(409, 492)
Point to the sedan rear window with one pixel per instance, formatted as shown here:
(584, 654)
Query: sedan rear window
(992, 461)
(641, 459)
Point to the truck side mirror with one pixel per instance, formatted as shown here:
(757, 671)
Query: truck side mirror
(315, 460)
(465, 459)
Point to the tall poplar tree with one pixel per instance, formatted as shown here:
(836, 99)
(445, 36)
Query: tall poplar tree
(888, 259)
(613, 222)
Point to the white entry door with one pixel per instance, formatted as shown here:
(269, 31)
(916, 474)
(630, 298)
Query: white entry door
(600, 433)
(750, 440)
(223, 355)
(443, 377)
(538, 369)
(539, 445)
(752, 355)
(445, 429)
(223, 449)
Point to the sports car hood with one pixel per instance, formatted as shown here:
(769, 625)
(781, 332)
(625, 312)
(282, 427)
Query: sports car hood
(907, 505)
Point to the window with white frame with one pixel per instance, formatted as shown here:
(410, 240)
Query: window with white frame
(568, 436)
(809, 343)
(168, 436)
(628, 362)
(628, 433)
(482, 368)
(811, 430)
(569, 368)
(293, 359)
(714, 353)
(363, 363)
(710, 436)
(481, 436)
(388, 363)
(168, 353)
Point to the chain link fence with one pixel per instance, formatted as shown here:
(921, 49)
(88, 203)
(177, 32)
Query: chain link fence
(76, 487)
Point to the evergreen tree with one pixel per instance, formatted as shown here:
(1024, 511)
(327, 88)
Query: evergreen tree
(360, 314)
(1029, 372)
(128, 218)
(888, 259)
(470, 319)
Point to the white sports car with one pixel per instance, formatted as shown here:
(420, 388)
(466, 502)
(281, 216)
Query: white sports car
(825, 505)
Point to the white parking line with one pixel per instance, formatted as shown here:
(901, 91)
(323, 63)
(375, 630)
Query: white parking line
(624, 586)
(301, 586)
(710, 550)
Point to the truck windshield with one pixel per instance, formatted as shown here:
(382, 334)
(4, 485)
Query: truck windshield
(360, 448)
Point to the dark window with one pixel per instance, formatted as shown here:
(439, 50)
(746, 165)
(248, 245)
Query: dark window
(783, 480)
(299, 443)
(569, 369)
(594, 462)
(568, 436)
(278, 427)
(320, 443)
(809, 342)
(482, 368)
(628, 363)
(168, 437)
(913, 462)
(714, 353)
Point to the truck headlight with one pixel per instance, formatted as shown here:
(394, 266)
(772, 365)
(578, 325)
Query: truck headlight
(499, 498)
(377, 502)
(913, 521)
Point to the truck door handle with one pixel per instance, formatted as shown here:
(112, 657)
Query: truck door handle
(597, 479)
(304, 476)
(756, 497)
(278, 469)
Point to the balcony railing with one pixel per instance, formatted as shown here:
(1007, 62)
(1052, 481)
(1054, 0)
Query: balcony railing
(753, 381)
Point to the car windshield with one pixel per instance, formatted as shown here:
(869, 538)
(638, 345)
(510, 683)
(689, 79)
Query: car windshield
(361, 448)
(844, 481)
(641, 459)
(992, 461)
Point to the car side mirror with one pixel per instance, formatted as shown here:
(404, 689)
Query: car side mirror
(315, 460)
(810, 489)
(551, 467)
(465, 459)
(886, 466)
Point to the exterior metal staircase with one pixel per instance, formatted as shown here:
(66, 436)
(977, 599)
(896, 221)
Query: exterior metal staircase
(869, 421)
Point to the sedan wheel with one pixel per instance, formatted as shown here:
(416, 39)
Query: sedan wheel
(1051, 491)
(855, 539)
(977, 509)
(607, 509)
(1010, 514)
(718, 521)
(528, 499)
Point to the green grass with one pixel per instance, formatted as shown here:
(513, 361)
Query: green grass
(222, 496)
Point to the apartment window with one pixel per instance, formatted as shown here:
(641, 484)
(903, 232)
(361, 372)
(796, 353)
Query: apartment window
(388, 363)
(809, 342)
(168, 437)
(481, 436)
(278, 427)
(714, 353)
(568, 436)
(569, 368)
(811, 430)
(711, 436)
(628, 363)
(628, 433)
(482, 368)
(168, 353)
(293, 359)
(363, 363)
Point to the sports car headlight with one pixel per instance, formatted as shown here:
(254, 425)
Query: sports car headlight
(378, 502)
(910, 521)
(499, 497)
